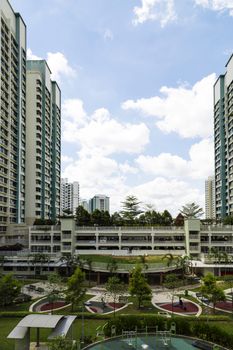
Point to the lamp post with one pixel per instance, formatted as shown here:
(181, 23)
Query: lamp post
(82, 335)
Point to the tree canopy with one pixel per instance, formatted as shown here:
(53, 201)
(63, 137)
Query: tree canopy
(191, 211)
(138, 286)
(130, 208)
(76, 291)
(9, 289)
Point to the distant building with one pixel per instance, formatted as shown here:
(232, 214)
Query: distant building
(85, 204)
(210, 198)
(100, 202)
(69, 196)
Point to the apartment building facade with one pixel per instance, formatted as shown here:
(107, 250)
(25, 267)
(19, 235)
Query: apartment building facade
(223, 141)
(12, 116)
(42, 143)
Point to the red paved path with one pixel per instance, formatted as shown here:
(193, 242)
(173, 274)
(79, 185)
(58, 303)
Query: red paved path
(190, 308)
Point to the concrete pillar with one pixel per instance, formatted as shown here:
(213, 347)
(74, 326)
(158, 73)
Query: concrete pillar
(97, 239)
(161, 278)
(119, 236)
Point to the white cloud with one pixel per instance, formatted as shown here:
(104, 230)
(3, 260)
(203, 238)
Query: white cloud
(31, 56)
(108, 34)
(66, 159)
(199, 166)
(58, 64)
(98, 174)
(182, 110)
(217, 5)
(100, 133)
(157, 10)
(168, 194)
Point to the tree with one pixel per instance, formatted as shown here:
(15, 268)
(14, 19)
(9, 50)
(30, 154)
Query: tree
(191, 211)
(179, 220)
(112, 266)
(60, 343)
(170, 258)
(228, 220)
(138, 286)
(116, 219)
(171, 282)
(183, 263)
(211, 290)
(9, 289)
(83, 218)
(71, 262)
(38, 261)
(130, 209)
(54, 280)
(166, 218)
(76, 291)
(115, 288)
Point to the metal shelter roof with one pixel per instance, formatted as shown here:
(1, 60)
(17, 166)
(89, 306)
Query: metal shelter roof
(59, 323)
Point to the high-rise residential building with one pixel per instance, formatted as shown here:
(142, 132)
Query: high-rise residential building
(85, 204)
(12, 116)
(210, 198)
(43, 105)
(223, 141)
(100, 202)
(69, 196)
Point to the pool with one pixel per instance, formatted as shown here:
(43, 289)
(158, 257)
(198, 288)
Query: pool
(150, 342)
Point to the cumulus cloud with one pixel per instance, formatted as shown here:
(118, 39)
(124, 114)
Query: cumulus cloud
(162, 11)
(183, 110)
(169, 194)
(66, 159)
(217, 5)
(31, 56)
(100, 133)
(199, 166)
(98, 174)
(58, 64)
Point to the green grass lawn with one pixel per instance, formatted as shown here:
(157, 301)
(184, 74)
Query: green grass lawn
(151, 259)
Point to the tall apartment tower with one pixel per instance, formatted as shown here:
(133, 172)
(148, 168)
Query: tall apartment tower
(223, 140)
(100, 202)
(12, 116)
(43, 143)
(69, 196)
(210, 198)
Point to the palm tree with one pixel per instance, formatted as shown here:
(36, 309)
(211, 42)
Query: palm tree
(112, 266)
(214, 253)
(183, 263)
(170, 258)
(70, 262)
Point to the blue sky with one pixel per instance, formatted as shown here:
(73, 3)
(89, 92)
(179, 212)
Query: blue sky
(136, 79)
